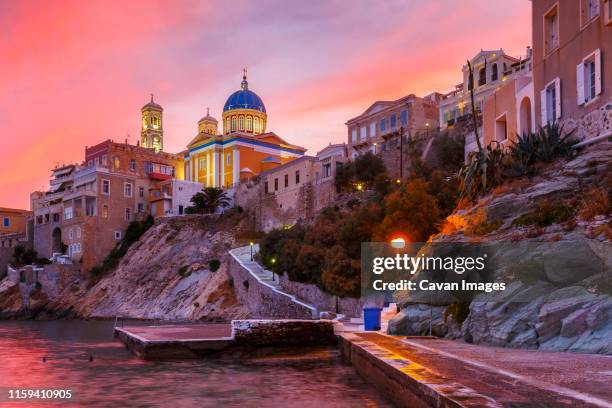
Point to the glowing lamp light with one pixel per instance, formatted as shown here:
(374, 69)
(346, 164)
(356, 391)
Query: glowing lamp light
(273, 261)
(398, 243)
(251, 243)
(398, 181)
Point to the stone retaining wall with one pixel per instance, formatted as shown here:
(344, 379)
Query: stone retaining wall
(263, 301)
(311, 294)
(261, 333)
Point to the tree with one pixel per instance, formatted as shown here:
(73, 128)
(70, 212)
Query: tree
(367, 169)
(411, 211)
(208, 200)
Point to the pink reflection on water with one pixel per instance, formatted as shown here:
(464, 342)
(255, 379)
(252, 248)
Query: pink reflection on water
(116, 378)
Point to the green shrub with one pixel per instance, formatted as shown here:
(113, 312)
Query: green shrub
(546, 214)
(184, 271)
(132, 234)
(214, 265)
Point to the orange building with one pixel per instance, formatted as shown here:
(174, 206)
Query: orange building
(244, 149)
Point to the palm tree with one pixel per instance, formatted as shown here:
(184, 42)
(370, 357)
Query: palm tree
(209, 199)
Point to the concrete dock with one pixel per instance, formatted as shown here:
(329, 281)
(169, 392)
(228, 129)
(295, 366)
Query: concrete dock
(425, 372)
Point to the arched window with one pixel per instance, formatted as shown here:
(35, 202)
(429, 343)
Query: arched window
(256, 124)
(249, 126)
(494, 73)
(233, 123)
(482, 77)
(228, 127)
(241, 123)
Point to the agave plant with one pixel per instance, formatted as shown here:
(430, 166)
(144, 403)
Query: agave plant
(483, 172)
(522, 154)
(551, 142)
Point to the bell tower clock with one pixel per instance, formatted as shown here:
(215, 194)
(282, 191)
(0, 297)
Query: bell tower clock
(152, 131)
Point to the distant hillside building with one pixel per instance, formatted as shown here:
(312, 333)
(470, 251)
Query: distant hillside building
(490, 70)
(243, 150)
(377, 128)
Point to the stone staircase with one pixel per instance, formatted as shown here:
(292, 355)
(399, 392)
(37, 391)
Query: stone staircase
(266, 277)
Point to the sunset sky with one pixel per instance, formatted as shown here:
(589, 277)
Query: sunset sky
(75, 73)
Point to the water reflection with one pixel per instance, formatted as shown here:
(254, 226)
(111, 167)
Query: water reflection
(117, 379)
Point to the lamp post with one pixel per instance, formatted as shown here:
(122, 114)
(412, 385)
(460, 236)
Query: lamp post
(427, 129)
(273, 261)
(251, 245)
(401, 135)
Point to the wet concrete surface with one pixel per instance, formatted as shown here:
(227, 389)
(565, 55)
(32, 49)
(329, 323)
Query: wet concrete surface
(504, 377)
(174, 332)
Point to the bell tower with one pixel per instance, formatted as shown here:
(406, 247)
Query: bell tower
(152, 131)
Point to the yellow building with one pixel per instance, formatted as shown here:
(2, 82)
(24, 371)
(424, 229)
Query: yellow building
(13, 221)
(244, 149)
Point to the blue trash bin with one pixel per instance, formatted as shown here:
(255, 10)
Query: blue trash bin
(371, 318)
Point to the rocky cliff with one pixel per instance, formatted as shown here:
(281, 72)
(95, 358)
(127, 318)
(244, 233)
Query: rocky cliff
(562, 214)
(165, 275)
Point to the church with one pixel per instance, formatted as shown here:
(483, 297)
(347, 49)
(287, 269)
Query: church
(241, 151)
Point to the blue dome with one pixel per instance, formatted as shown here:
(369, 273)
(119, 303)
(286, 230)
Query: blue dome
(244, 99)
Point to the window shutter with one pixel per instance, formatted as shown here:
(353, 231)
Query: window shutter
(580, 82)
(543, 105)
(558, 97)
(597, 72)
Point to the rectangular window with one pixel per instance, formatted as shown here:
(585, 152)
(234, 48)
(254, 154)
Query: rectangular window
(105, 211)
(551, 29)
(68, 213)
(354, 136)
(6, 222)
(383, 124)
(117, 235)
(393, 121)
(608, 11)
(141, 192)
(297, 177)
(326, 170)
(373, 129)
(588, 78)
(132, 165)
(404, 117)
(106, 187)
(551, 102)
(362, 133)
(266, 190)
(501, 128)
(56, 217)
(127, 189)
(286, 180)
(275, 184)
(589, 10)
(70, 234)
(140, 207)
(128, 214)
(78, 232)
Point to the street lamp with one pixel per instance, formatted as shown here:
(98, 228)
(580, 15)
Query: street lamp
(427, 129)
(273, 261)
(251, 245)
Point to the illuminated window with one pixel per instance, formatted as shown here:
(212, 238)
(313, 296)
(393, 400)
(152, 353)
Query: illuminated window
(249, 123)
(241, 123)
(256, 124)
(227, 125)
(117, 162)
(105, 211)
(233, 123)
